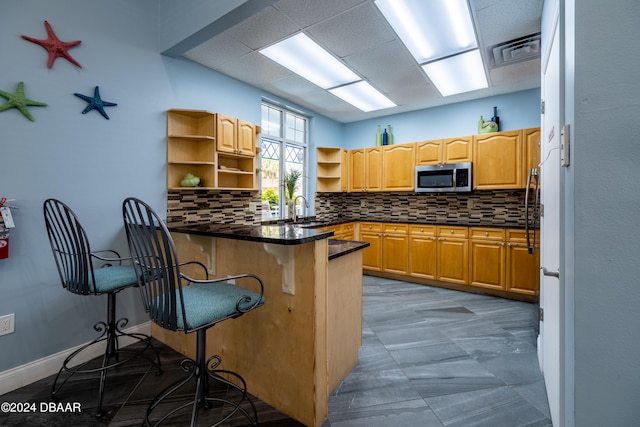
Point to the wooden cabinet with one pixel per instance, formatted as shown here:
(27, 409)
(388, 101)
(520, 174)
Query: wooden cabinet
(522, 268)
(398, 167)
(423, 245)
(371, 232)
(395, 247)
(331, 169)
(235, 136)
(531, 155)
(344, 231)
(449, 150)
(497, 160)
(453, 254)
(366, 169)
(194, 141)
(487, 258)
(494, 259)
(191, 147)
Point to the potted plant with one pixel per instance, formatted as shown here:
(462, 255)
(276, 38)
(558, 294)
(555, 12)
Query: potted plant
(290, 182)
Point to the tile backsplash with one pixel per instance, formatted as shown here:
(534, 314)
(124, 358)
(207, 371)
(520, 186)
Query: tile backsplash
(223, 207)
(482, 208)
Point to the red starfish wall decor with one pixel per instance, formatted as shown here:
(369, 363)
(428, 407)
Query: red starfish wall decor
(55, 46)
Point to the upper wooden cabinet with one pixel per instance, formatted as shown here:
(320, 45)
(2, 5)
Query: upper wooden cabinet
(194, 141)
(531, 154)
(235, 136)
(398, 167)
(331, 169)
(449, 150)
(497, 160)
(190, 147)
(366, 169)
(429, 152)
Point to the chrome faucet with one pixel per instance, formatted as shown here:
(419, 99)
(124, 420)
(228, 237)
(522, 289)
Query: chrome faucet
(295, 201)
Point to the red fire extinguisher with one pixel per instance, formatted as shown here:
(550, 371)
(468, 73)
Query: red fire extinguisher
(6, 222)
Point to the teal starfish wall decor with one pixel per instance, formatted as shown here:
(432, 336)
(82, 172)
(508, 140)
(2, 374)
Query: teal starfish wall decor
(95, 103)
(19, 101)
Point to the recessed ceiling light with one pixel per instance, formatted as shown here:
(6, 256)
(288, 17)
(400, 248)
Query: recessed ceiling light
(431, 29)
(457, 74)
(306, 58)
(363, 96)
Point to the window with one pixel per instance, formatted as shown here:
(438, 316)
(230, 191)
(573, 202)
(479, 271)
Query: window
(284, 153)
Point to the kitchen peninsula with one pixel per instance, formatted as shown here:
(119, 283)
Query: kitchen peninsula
(297, 348)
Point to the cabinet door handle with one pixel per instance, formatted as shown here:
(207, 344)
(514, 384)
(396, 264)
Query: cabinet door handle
(550, 273)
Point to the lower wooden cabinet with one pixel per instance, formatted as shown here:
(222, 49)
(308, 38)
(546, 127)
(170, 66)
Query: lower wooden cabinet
(371, 232)
(453, 254)
(344, 231)
(423, 245)
(495, 259)
(395, 248)
(523, 268)
(487, 258)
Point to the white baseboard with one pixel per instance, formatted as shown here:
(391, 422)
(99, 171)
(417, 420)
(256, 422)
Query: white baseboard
(38, 369)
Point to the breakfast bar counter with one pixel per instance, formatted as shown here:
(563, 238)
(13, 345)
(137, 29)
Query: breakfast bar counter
(297, 348)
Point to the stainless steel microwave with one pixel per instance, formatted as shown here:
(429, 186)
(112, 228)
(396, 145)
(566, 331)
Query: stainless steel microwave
(444, 178)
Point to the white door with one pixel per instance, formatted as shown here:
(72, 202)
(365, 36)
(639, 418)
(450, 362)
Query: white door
(550, 351)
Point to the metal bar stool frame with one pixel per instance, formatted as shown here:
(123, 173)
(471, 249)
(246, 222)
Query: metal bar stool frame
(75, 264)
(169, 294)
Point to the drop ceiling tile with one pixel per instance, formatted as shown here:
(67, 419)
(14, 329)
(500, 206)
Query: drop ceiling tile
(254, 69)
(217, 51)
(504, 20)
(309, 12)
(516, 73)
(264, 28)
(359, 29)
(381, 60)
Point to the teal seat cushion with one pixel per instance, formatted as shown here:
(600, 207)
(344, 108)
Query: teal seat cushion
(110, 279)
(206, 303)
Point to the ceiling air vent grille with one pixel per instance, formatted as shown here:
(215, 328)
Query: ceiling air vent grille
(517, 50)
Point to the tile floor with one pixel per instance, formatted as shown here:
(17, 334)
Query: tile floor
(430, 357)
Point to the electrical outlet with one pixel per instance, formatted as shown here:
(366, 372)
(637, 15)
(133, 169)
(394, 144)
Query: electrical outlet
(363, 203)
(469, 203)
(7, 323)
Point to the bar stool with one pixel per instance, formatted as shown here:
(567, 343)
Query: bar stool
(177, 302)
(79, 273)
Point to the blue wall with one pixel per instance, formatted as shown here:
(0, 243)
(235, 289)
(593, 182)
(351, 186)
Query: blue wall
(93, 163)
(517, 110)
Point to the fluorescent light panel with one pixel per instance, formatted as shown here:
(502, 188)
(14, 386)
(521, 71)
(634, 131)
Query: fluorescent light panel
(457, 74)
(431, 29)
(306, 58)
(363, 96)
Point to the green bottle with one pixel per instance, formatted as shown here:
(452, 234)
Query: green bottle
(378, 137)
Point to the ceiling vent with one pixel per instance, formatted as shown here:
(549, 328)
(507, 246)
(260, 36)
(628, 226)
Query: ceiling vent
(513, 51)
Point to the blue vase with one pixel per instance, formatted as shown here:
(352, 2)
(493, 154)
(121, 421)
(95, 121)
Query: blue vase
(385, 138)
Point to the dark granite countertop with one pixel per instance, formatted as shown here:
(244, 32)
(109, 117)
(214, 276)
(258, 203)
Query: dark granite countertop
(285, 234)
(338, 248)
(327, 223)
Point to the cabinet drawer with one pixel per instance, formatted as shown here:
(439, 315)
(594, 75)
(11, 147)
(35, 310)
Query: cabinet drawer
(370, 226)
(487, 234)
(395, 228)
(520, 236)
(422, 230)
(453, 231)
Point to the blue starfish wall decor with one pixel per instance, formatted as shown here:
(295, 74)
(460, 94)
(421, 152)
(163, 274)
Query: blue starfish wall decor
(19, 101)
(95, 103)
(55, 46)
